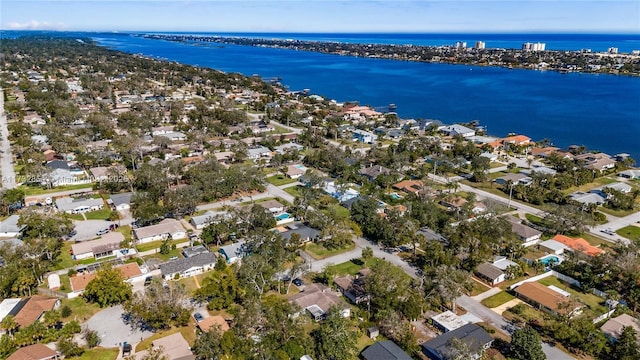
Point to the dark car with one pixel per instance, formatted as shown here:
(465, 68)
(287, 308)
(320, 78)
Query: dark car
(198, 317)
(298, 282)
(147, 280)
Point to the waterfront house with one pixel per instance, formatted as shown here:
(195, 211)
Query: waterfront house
(384, 350)
(166, 229)
(598, 162)
(186, 267)
(551, 300)
(456, 129)
(475, 338)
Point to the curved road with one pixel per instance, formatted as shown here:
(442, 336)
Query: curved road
(8, 174)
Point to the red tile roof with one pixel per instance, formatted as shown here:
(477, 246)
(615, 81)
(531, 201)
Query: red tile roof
(578, 244)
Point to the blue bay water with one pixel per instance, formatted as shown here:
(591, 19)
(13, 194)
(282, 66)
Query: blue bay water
(601, 112)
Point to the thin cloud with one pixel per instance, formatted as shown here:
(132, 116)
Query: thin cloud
(36, 25)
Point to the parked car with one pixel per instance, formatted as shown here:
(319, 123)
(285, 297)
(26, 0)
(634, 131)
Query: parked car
(298, 282)
(198, 317)
(102, 232)
(147, 280)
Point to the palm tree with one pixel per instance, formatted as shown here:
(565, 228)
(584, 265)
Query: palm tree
(9, 324)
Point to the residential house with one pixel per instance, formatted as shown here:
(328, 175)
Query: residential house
(9, 306)
(578, 244)
(513, 179)
(342, 193)
(546, 299)
(384, 350)
(288, 147)
(456, 129)
(528, 235)
(589, 198)
(542, 170)
(553, 247)
(614, 326)
(490, 156)
(618, 186)
(121, 201)
(273, 206)
(233, 252)
(409, 186)
(9, 226)
(352, 287)
(107, 245)
(599, 162)
(374, 171)
(317, 299)
(213, 322)
(78, 206)
(106, 173)
(502, 263)
(190, 252)
(519, 140)
(35, 352)
(543, 152)
(33, 308)
(186, 267)
(630, 174)
(201, 221)
(258, 153)
(490, 273)
(166, 229)
(431, 235)
(173, 346)
(306, 233)
(79, 281)
(448, 321)
(296, 171)
(453, 202)
(475, 337)
(364, 136)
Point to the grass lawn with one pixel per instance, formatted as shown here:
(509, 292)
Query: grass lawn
(536, 220)
(618, 213)
(320, 252)
(77, 217)
(125, 231)
(352, 266)
(364, 341)
(280, 179)
(190, 284)
(478, 288)
(98, 353)
(30, 190)
(165, 257)
(156, 244)
(497, 299)
(631, 232)
(591, 300)
(80, 309)
(338, 212)
(188, 332)
(586, 187)
(64, 260)
(98, 215)
(594, 240)
(293, 191)
(94, 260)
(65, 283)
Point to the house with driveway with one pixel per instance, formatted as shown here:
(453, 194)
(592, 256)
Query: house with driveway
(107, 245)
(472, 335)
(78, 206)
(166, 229)
(121, 201)
(317, 299)
(186, 267)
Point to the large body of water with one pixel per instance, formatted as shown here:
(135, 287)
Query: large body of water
(601, 112)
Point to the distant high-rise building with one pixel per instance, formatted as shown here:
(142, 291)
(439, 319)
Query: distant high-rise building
(479, 45)
(461, 44)
(612, 50)
(533, 46)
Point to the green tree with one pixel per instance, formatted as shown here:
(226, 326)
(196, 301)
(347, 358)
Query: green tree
(335, 338)
(7, 346)
(92, 338)
(208, 345)
(626, 347)
(108, 288)
(220, 289)
(159, 307)
(526, 344)
(9, 324)
(367, 253)
(386, 284)
(68, 347)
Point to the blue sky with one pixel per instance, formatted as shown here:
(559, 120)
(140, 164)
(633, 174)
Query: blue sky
(603, 16)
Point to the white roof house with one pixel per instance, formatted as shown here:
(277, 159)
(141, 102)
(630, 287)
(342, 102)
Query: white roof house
(202, 221)
(76, 206)
(456, 129)
(281, 149)
(619, 186)
(555, 247)
(448, 321)
(7, 306)
(167, 228)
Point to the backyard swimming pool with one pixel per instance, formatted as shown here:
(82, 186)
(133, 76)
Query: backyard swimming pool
(550, 260)
(282, 216)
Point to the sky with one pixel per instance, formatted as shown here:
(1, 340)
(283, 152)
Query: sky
(602, 16)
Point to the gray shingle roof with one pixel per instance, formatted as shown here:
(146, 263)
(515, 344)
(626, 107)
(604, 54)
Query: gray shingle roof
(119, 199)
(384, 350)
(471, 334)
(183, 264)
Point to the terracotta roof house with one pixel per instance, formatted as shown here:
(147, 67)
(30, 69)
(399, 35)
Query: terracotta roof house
(79, 281)
(317, 299)
(490, 274)
(33, 309)
(35, 352)
(517, 140)
(167, 228)
(543, 152)
(613, 327)
(476, 338)
(546, 299)
(213, 321)
(384, 350)
(578, 244)
(409, 186)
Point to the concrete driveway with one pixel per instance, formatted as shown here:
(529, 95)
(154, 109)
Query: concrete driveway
(112, 329)
(87, 229)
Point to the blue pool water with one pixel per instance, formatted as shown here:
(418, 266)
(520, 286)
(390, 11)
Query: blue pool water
(395, 196)
(282, 216)
(550, 259)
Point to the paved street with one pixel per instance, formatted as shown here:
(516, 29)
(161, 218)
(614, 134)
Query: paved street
(6, 167)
